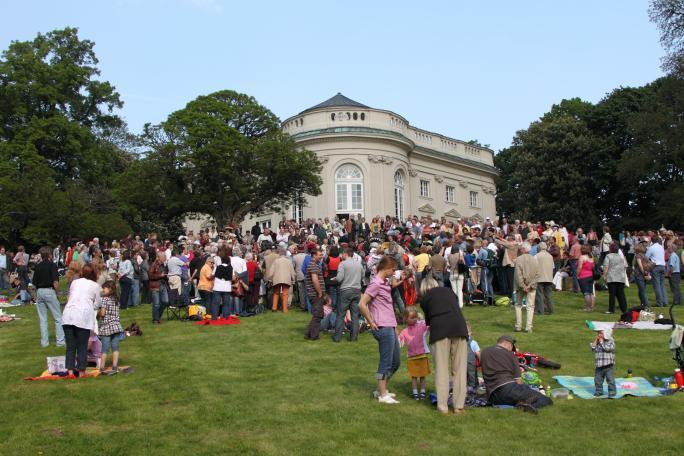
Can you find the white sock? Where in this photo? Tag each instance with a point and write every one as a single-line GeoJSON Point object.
{"type": "Point", "coordinates": [422, 390]}
{"type": "Point", "coordinates": [415, 391]}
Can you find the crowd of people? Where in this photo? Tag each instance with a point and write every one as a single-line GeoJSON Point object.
{"type": "Point", "coordinates": [354, 276]}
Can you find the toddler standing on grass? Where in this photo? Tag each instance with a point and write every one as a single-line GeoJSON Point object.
{"type": "Point", "coordinates": [111, 331]}
{"type": "Point", "coordinates": [414, 337]}
{"type": "Point", "coordinates": [604, 357]}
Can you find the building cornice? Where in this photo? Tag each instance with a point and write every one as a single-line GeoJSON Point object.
{"type": "Point", "coordinates": [329, 134]}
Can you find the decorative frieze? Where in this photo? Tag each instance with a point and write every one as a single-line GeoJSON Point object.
{"type": "Point", "coordinates": [380, 159]}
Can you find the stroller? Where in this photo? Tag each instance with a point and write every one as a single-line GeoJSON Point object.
{"type": "Point", "coordinates": [677, 341]}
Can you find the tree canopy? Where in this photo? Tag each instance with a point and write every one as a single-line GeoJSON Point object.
{"type": "Point", "coordinates": [223, 155]}
{"type": "Point", "coordinates": [619, 161]}
{"type": "Point", "coordinates": [57, 148]}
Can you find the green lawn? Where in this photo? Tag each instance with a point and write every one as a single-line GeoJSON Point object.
{"type": "Point", "coordinates": [259, 388]}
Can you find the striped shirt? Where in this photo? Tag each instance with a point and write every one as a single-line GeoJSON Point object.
{"type": "Point", "coordinates": [312, 269]}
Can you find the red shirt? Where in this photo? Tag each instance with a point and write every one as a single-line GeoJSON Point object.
{"type": "Point", "coordinates": [251, 267]}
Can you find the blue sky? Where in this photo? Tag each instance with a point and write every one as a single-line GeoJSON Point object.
{"type": "Point", "coordinates": [468, 70]}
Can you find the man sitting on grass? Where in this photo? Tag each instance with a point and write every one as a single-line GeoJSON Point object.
{"type": "Point", "coordinates": [501, 373]}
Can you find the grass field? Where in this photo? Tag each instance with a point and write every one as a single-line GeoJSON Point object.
{"type": "Point", "coordinates": [259, 388]}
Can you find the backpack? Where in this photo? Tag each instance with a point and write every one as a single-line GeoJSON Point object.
{"type": "Point", "coordinates": [224, 271]}
{"type": "Point", "coordinates": [490, 261]}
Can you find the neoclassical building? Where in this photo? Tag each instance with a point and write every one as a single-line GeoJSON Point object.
{"type": "Point", "coordinates": [376, 163]}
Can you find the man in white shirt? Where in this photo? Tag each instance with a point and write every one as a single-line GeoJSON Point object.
{"type": "Point", "coordinates": [265, 236]}
{"type": "Point", "coordinates": [656, 254]}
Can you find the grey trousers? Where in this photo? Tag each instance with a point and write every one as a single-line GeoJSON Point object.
{"type": "Point", "coordinates": [347, 299]}
{"type": "Point", "coordinates": [543, 301]}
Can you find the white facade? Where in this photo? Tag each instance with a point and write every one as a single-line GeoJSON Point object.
{"type": "Point", "coordinates": [376, 164]}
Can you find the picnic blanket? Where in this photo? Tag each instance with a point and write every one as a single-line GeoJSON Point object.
{"type": "Point", "coordinates": [583, 387]}
{"type": "Point", "coordinates": [598, 325]}
{"type": "Point", "coordinates": [90, 372]}
{"type": "Point", "coordinates": [220, 321]}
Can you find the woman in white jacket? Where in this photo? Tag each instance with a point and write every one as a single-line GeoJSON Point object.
{"type": "Point", "coordinates": [78, 319]}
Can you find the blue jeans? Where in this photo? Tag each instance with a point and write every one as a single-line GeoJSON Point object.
{"type": "Point", "coordinates": [604, 373]}
{"type": "Point", "coordinates": [641, 286]}
{"type": "Point", "coordinates": [236, 305]}
{"type": "Point", "coordinates": [220, 303]}
{"type": "Point", "coordinates": [135, 292]}
{"type": "Point", "coordinates": [46, 299]}
{"type": "Point", "coordinates": [158, 304]}
{"type": "Point", "coordinates": [513, 394]}
{"type": "Point", "coordinates": [658, 277]}
{"type": "Point", "coordinates": [486, 285]}
{"type": "Point", "coordinates": [3, 279]}
{"type": "Point", "coordinates": [111, 342]}
{"type": "Point", "coordinates": [332, 291]}
{"type": "Point", "coordinates": [329, 321]}
{"type": "Point", "coordinates": [388, 346]}
{"type": "Point", "coordinates": [573, 274]}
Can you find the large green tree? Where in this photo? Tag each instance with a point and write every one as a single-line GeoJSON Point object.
{"type": "Point", "coordinates": [619, 161]}
{"type": "Point", "coordinates": [60, 141]}
{"type": "Point", "coordinates": [223, 155]}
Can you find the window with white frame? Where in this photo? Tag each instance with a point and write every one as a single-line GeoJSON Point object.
{"type": "Point", "coordinates": [450, 194]}
{"type": "Point", "coordinates": [424, 188]}
{"type": "Point", "coordinates": [399, 195]}
{"type": "Point", "coordinates": [348, 189]}
{"type": "Point", "coordinates": [297, 209]}
{"type": "Point", "coordinates": [265, 224]}
{"type": "Point", "coordinates": [474, 199]}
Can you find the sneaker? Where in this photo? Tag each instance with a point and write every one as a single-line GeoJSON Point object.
{"type": "Point", "coordinates": [597, 394]}
{"type": "Point", "coordinates": [525, 407]}
{"type": "Point", "coordinates": [611, 395]}
{"type": "Point", "coordinates": [416, 396]}
{"type": "Point", "coordinates": [423, 394]}
{"type": "Point", "coordinates": [376, 394]}
{"type": "Point", "coordinates": [608, 312]}
{"type": "Point", "coordinates": [387, 399]}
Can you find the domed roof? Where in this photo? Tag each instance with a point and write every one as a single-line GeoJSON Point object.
{"type": "Point", "coordinates": [338, 101]}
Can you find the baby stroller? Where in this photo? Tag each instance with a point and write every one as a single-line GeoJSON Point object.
{"type": "Point", "coordinates": [677, 341]}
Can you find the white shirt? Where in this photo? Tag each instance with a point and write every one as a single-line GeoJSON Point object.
{"type": "Point", "coordinates": [239, 265]}
{"type": "Point", "coordinates": [3, 261]}
{"type": "Point", "coordinates": [84, 300]}
{"type": "Point", "coordinates": [220, 284]}
{"type": "Point", "coordinates": [656, 253]}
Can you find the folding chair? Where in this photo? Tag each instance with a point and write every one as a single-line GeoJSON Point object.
{"type": "Point", "coordinates": [176, 310]}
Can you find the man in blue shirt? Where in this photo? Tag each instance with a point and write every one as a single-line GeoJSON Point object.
{"type": "Point", "coordinates": [656, 254]}
{"type": "Point", "coordinates": [673, 272]}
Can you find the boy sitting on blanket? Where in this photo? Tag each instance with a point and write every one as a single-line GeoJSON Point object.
{"type": "Point", "coordinates": [604, 359]}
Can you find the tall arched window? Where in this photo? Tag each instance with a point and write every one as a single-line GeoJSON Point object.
{"type": "Point", "coordinates": [399, 195]}
{"type": "Point", "coordinates": [348, 189]}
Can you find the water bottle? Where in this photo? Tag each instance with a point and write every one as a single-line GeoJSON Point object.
{"type": "Point", "coordinates": [679, 378]}
{"type": "Point", "coordinates": [629, 373]}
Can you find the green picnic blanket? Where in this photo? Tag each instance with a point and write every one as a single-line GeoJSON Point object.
{"type": "Point", "coordinates": [583, 387]}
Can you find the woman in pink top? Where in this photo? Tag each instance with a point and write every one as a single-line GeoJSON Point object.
{"type": "Point", "coordinates": [585, 276]}
{"type": "Point", "coordinates": [376, 307]}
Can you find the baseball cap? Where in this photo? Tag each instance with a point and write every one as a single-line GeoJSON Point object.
{"type": "Point", "coordinates": [506, 338]}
